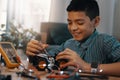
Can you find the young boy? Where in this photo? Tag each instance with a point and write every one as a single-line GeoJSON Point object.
{"type": "Point", "coordinates": [88, 50]}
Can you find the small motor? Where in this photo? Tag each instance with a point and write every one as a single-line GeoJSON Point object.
{"type": "Point", "coordinates": [43, 62]}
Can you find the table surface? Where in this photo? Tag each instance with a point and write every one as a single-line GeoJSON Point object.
{"type": "Point", "coordinates": [42, 75]}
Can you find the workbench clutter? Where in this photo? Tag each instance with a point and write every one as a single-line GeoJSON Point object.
{"type": "Point", "coordinates": [5, 77]}
{"type": "Point", "coordinates": [11, 65]}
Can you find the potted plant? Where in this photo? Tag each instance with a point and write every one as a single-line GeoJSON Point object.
{"type": "Point", "coordinates": [19, 36]}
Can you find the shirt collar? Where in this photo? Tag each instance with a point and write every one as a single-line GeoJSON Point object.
{"type": "Point", "coordinates": [86, 43]}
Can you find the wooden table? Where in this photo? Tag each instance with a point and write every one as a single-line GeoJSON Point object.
{"type": "Point", "coordinates": [42, 75]}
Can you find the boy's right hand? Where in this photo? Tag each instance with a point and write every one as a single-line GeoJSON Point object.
{"type": "Point", "coordinates": [34, 47]}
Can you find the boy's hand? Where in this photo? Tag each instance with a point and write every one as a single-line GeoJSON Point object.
{"type": "Point", "coordinates": [73, 59]}
{"type": "Point", "coordinates": [34, 47]}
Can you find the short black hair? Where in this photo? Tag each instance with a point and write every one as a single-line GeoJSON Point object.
{"type": "Point", "coordinates": [90, 7]}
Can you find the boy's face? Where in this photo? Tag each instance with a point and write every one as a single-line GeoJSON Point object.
{"type": "Point", "coordinates": [80, 25]}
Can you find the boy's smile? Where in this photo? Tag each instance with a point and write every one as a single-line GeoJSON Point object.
{"type": "Point", "coordinates": [80, 25]}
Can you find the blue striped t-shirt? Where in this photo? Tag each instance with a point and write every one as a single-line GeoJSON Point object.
{"type": "Point", "coordinates": [99, 48]}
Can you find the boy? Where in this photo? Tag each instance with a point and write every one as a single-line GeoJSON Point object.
{"type": "Point", "coordinates": [88, 50]}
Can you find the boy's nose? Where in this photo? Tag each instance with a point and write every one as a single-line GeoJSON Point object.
{"type": "Point", "coordinates": [74, 27]}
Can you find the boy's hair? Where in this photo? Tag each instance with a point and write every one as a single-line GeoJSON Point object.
{"type": "Point", "coordinates": [90, 7]}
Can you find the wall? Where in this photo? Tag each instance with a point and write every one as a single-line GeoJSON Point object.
{"type": "Point", "coordinates": [58, 11]}
{"type": "Point", "coordinates": [116, 29]}
{"type": "Point", "coordinates": [107, 16]}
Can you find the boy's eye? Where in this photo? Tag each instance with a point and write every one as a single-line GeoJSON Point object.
{"type": "Point", "coordinates": [80, 23]}
{"type": "Point", "coordinates": [69, 22]}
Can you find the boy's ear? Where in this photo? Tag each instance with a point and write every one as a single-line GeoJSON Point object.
{"type": "Point", "coordinates": [97, 21]}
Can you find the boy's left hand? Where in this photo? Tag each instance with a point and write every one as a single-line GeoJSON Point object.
{"type": "Point", "coordinates": [73, 59]}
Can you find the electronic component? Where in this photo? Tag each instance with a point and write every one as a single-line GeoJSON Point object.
{"type": "Point", "coordinates": [9, 54]}
{"type": "Point", "coordinates": [59, 74]}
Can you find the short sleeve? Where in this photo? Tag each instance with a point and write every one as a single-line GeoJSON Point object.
{"type": "Point", "coordinates": [112, 48]}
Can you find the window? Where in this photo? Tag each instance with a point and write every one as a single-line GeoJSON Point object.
{"type": "Point", "coordinates": [29, 13]}
{"type": "Point", "coordinates": [3, 16]}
